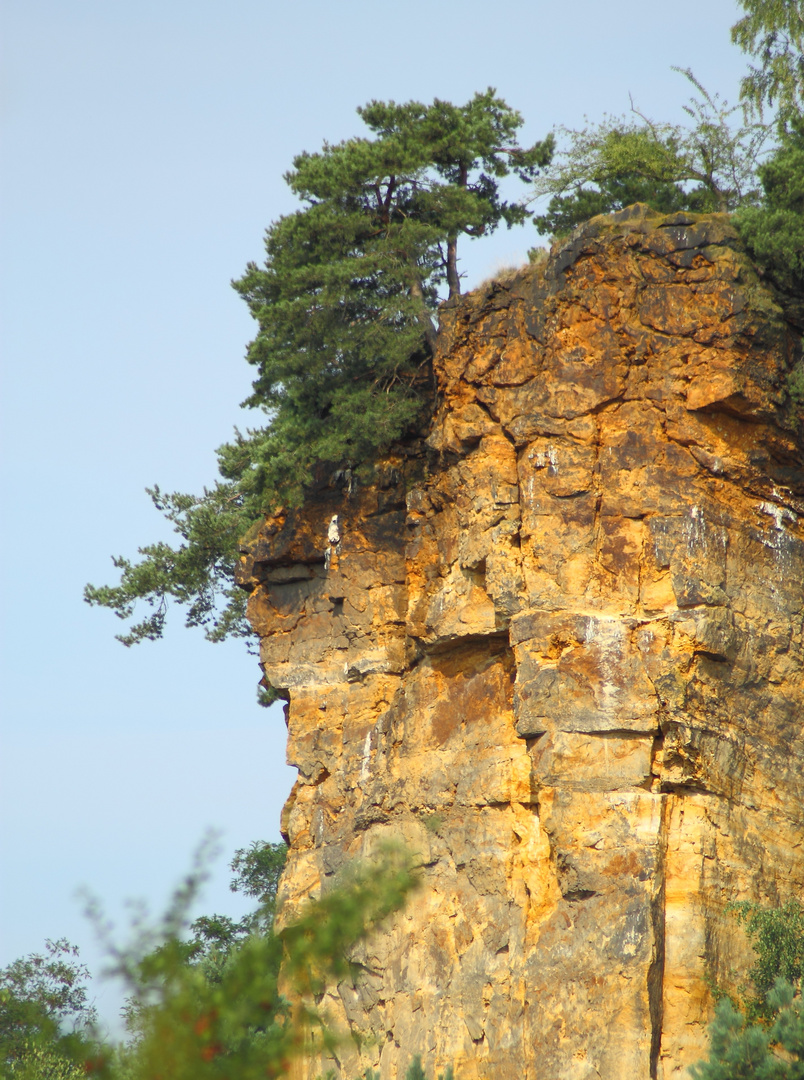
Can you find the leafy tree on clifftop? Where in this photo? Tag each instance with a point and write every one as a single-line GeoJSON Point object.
{"type": "Point", "coordinates": [706, 165]}
{"type": "Point", "coordinates": [772, 32]}
{"type": "Point", "coordinates": [716, 162]}
{"type": "Point", "coordinates": [345, 304]}
{"type": "Point", "coordinates": [774, 231]}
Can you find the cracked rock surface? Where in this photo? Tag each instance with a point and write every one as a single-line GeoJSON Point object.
{"type": "Point", "coordinates": [558, 649]}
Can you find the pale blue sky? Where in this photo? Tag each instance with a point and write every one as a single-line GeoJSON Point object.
{"type": "Point", "coordinates": [143, 152]}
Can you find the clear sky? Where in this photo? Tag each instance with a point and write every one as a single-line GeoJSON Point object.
{"type": "Point", "coordinates": [143, 147]}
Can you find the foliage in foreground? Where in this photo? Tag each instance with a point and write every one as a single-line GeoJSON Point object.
{"type": "Point", "coordinates": [213, 1005]}
{"type": "Point", "coordinates": [777, 937]}
{"type": "Point", "coordinates": [344, 305]}
{"type": "Point", "coordinates": [414, 1072]}
{"type": "Point", "coordinates": [740, 1050]}
{"type": "Point", "coordinates": [241, 1023]}
{"type": "Point", "coordinates": [213, 939]}
{"type": "Point", "coordinates": [762, 1036]}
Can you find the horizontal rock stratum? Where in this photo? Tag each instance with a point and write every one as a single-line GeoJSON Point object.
{"type": "Point", "coordinates": [558, 650]}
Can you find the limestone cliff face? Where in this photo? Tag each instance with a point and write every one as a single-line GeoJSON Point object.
{"type": "Point", "coordinates": [559, 650]}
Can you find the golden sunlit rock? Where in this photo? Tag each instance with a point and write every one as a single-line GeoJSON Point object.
{"type": "Point", "coordinates": [558, 650]}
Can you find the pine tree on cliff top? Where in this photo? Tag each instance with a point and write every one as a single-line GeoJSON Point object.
{"type": "Point", "coordinates": [346, 298]}
{"type": "Point", "coordinates": [344, 304]}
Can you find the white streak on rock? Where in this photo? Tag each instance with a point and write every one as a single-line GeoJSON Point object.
{"type": "Point", "coordinates": [366, 759]}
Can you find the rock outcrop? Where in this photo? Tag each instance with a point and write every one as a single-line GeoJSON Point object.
{"type": "Point", "coordinates": [559, 650]}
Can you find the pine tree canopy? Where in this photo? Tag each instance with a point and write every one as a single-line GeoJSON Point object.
{"type": "Point", "coordinates": [345, 305]}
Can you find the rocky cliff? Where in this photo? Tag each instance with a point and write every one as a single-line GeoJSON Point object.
{"type": "Point", "coordinates": [559, 650]}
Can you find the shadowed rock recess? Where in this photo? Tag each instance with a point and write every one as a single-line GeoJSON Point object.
{"type": "Point", "coordinates": [558, 650]}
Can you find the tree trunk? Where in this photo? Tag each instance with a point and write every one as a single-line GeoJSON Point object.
{"type": "Point", "coordinates": [424, 319]}
{"type": "Point", "coordinates": [453, 280]}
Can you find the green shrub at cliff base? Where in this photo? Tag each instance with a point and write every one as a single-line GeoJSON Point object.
{"type": "Point", "coordinates": [777, 937]}
{"type": "Point", "coordinates": [763, 1039]}
{"type": "Point", "coordinates": [708, 165]}
{"type": "Point", "coordinates": [214, 938]}
{"type": "Point", "coordinates": [416, 1072]}
{"type": "Point", "coordinates": [207, 1006]}
{"type": "Point", "coordinates": [743, 1051]}
{"type": "Point", "coordinates": [344, 304]}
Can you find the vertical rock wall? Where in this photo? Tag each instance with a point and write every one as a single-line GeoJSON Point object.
{"type": "Point", "coordinates": [560, 652]}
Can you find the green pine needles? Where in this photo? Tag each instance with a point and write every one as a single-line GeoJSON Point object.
{"type": "Point", "coordinates": [345, 305]}
{"type": "Point", "coordinates": [763, 1038]}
